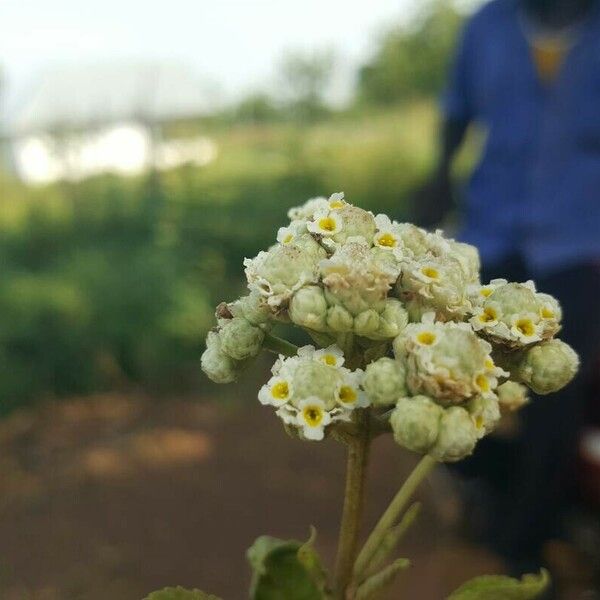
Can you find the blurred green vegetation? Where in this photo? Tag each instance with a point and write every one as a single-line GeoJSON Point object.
{"type": "Point", "coordinates": [111, 281]}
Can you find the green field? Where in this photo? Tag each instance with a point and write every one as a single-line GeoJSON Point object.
{"type": "Point", "coordinates": [112, 281]}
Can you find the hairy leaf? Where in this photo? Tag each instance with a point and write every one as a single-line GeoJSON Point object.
{"type": "Point", "coordinates": [499, 587]}
{"type": "Point", "coordinates": [286, 569]}
{"type": "Point", "coordinates": [179, 593]}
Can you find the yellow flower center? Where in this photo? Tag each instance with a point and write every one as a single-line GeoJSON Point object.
{"type": "Point", "coordinates": [479, 421]}
{"type": "Point", "coordinates": [489, 363]}
{"type": "Point", "coordinates": [281, 390]}
{"type": "Point", "coordinates": [336, 204]}
{"type": "Point", "coordinates": [347, 394]}
{"type": "Point", "coordinates": [327, 224]}
{"type": "Point", "coordinates": [387, 240]}
{"type": "Point", "coordinates": [426, 338]}
{"type": "Point", "coordinates": [330, 359]}
{"type": "Point", "coordinates": [430, 272]}
{"type": "Point", "coordinates": [547, 313]}
{"type": "Point", "coordinates": [486, 291]}
{"type": "Point", "coordinates": [526, 327]}
{"type": "Point", "coordinates": [288, 238]}
{"type": "Point", "coordinates": [482, 382]}
{"type": "Point", "coordinates": [488, 315]}
{"type": "Point", "coordinates": [313, 415]}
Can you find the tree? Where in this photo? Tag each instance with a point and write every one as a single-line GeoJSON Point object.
{"type": "Point", "coordinates": [411, 61]}
{"type": "Point", "coordinates": [304, 79]}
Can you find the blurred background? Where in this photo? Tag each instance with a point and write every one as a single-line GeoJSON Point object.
{"type": "Point", "coordinates": [145, 150]}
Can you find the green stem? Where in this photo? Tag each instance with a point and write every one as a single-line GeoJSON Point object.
{"type": "Point", "coordinates": [358, 453]}
{"type": "Point", "coordinates": [278, 345]}
{"type": "Point", "coordinates": [391, 514]}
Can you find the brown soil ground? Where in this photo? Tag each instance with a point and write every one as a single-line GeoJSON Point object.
{"type": "Point", "coordinates": [113, 496]}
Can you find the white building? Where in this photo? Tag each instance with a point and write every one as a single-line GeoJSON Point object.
{"type": "Point", "coordinates": [78, 122]}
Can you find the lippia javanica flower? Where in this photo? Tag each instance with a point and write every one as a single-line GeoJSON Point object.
{"type": "Point", "coordinates": [402, 328]}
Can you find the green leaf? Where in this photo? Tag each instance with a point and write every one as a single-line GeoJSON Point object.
{"type": "Point", "coordinates": [179, 593]}
{"type": "Point", "coordinates": [286, 569]}
{"type": "Point", "coordinates": [499, 587]}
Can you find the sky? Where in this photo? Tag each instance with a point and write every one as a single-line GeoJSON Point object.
{"type": "Point", "coordinates": [234, 43]}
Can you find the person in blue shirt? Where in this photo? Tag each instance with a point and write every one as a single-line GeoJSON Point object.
{"type": "Point", "coordinates": [528, 71]}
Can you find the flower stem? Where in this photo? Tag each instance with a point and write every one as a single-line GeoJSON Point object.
{"type": "Point", "coordinates": [358, 454]}
{"type": "Point", "coordinates": [391, 514]}
{"type": "Point", "coordinates": [278, 345]}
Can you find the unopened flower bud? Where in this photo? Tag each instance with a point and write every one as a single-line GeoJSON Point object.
{"type": "Point", "coordinates": [339, 319]}
{"type": "Point", "coordinates": [457, 435]}
{"type": "Point", "coordinates": [219, 367]}
{"type": "Point", "coordinates": [252, 307]}
{"type": "Point", "coordinates": [308, 308]}
{"type": "Point", "coordinates": [357, 222]}
{"type": "Point", "coordinates": [366, 323]}
{"type": "Point", "coordinates": [393, 319]}
{"type": "Point", "coordinates": [416, 423]}
{"type": "Point", "coordinates": [385, 381]}
{"type": "Point", "coordinates": [512, 396]}
{"type": "Point", "coordinates": [239, 339]}
{"type": "Point", "coordinates": [548, 366]}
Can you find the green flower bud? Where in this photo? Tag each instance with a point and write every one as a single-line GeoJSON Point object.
{"type": "Point", "coordinates": [439, 284]}
{"type": "Point", "coordinates": [457, 436]}
{"type": "Point", "coordinates": [339, 319]}
{"type": "Point", "coordinates": [308, 308]}
{"type": "Point", "coordinates": [252, 307]}
{"type": "Point", "coordinates": [239, 339]}
{"type": "Point", "coordinates": [510, 315]}
{"type": "Point", "coordinates": [276, 274]}
{"type": "Point", "coordinates": [416, 423]}
{"type": "Point", "coordinates": [356, 222]}
{"type": "Point", "coordinates": [219, 367]}
{"type": "Point", "coordinates": [446, 361]}
{"type": "Point", "coordinates": [549, 366]}
{"type": "Point", "coordinates": [393, 319]}
{"type": "Point", "coordinates": [366, 323]}
{"type": "Point", "coordinates": [315, 379]}
{"type": "Point", "coordinates": [307, 244]}
{"type": "Point", "coordinates": [468, 258]}
{"type": "Point", "coordinates": [414, 239]}
{"type": "Point", "coordinates": [385, 381]}
{"type": "Point", "coordinates": [355, 279]}
{"type": "Point", "coordinates": [512, 396]}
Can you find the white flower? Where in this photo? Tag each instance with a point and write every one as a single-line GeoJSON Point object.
{"type": "Point", "coordinates": [336, 201]}
{"type": "Point", "coordinates": [276, 392]}
{"type": "Point", "coordinates": [426, 333]}
{"type": "Point", "coordinates": [493, 369]}
{"type": "Point", "coordinates": [286, 235]}
{"type": "Point", "coordinates": [428, 272]}
{"type": "Point", "coordinates": [526, 328]}
{"type": "Point", "coordinates": [312, 418]}
{"type": "Point", "coordinates": [331, 356]}
{"type": "Point", "coordinates": [484, 382]}
{"type": "Point", "coordinates": [326, 223]}
{"type": "Point", "coordinates": [484, 291]}
{"type": "Point", "coordinates": [388, 233]}
{"type": "Point", "coordinates": [349, 394]}
{"type": "Point", "coordinates": [486, 316]}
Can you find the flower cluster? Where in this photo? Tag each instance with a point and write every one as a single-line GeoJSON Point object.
{"type": "Point", "coordinates": [404, 326]}
{"type": "Point", "coordinates": [238, 337]}
{"type": "Point", "coordinates": [313, 389]}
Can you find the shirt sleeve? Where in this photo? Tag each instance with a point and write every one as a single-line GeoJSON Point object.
{"type": "Point", "coordinates": [458, 99]}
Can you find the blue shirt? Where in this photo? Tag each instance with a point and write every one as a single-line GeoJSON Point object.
{"type": "Point", "coordinates": [536, 190]}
